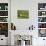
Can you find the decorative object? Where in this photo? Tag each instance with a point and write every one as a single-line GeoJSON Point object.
{"type": "Point", "coordinates": [13, 27]}
{"type": "Point", "coordinates": [41, 6]}
{"type": "Point", "coordinates": [26, 38]}
{"type": "Point", "coordinates": [42, 32]}
{"type": "Point", "coordinates": [22, 43]}
{"type": "Point", "coordinates": [3, 19]}
{"type": "Point", "coordinates": [4, 29]}
{"type": "Point", "coordinates": [23, 40]}
{"type": "Point", "coordinates": [31, 27]}
{"type": "Point", "coordinates": [6, 7]}
{"type": "Point", "coordinates": [3, 6]}
{"type": "Point", "coordinates": [18, 42]}
{"type": "Point", "coordinates": [23, 14]}
{"type": "Point", "coordinates": [41, 19]}
{"type": "Point", "coordinates": [4, 26]}
{"type": "Point", "coordinates": [43, 13]}
{"type": "Point", "coordinates": [42, 25]}
{"type": "Point", "coordinates": [3, 13]}
{"type": "Point", "coordinates": [0, 7]}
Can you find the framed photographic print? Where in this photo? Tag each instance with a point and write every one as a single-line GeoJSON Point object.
{"type": "Point", "coordinates": [23, 14]}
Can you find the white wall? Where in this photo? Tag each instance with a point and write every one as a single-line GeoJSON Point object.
{"type": "Point", "coordinates": [32, 6]}
{"type": "Point", "coordinates": [23, 24]}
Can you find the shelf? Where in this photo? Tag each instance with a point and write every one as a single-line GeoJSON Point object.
{"type": "Point", "coordinates": [42, 19]}
{"type": "Point", "coordinates": [3, 10]}
{"type": "Point", "coordinates": [3, 22]}
{"type": "Point", "coordinates": [42, 16]}
{"type": "Point", "coordinates": [41, 28]}
{"type": "Point", "coordinates": [41, 10]}
{"type": "Point", "coordinates": [42, 37]}
{"type": "Point", "coordinates": [4, 19]}
{"type": "Point", "coordinates": [3, 16]}
{"type": "Point", "coordinates": [41, 22]}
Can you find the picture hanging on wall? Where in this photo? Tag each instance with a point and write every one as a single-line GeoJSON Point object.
{"type": "Point", "coordinates": [23, 14]}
